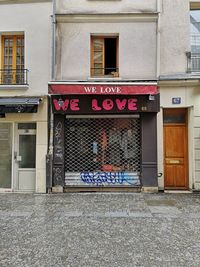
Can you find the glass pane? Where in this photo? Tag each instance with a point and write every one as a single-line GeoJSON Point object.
{"type": "Point", "coordinates": [194, 21]}
{"type": "Point", "coordinates": [18, 51]}
{"type": "Point", "coordinates": [27, 151]}
{"type": "Point", "coordinates": [195, 35]}
{"type": "Point", "coordinates": [29, 126]}
{"type": "Point", "coordinates": [98, 44]}
{"type": "Point", "coordinates": [5, 61]}
{"type": "Point", "coordinates": [6, 51]}
{"type": "Point", "coordinates": [10, 60]}
{"type": "Point", "coordinates": [174, 116]}
{"type": "Point", "coordinates": [18, 60]}
{"type": "Point", "coordinates": [6, 42]}
{"type": "Point", "coordinates": [5, 155]}
{"type": "Point", "coordinates": [19, 41]}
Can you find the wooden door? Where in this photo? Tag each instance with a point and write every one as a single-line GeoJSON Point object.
{"type": "Point", "coordinates": [175, 150]}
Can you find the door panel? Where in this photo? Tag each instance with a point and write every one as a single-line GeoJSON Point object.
{"type": "Point", "coordinates": [26, 157]}
{"type": "Point", "coordinates": [175, 141]}
{"type": "Point", "coordinates": [26, 179]}
{"type": "Point", "coordinates": [175, 146]}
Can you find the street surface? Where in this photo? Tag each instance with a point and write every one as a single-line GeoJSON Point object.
{"type": "Point", "coordinates": [99, 229]}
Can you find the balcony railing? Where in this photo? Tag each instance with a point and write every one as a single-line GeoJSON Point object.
{"type": "Point", "coordinates": [193, 62]}
{"type": "Point", "coordinates": [13, 76]}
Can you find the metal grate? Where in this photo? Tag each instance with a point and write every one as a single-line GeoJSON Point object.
{"type": "Point", "coordinates": [14, 76]}
{"type": "Point", "coordinates": [102, 151]}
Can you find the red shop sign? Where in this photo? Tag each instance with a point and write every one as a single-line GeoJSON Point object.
{"type": "Point", "coordinates": [96, 89]}
{"type": "Point", "coordinates": [101, 104]}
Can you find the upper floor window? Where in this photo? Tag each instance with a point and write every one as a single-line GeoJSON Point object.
{"type": "Point", "coordinates": [195, 40]}
{"type": "Point", "coordinates": [12, 60]}
{"type": "Point", "coordinates": [104, 56]}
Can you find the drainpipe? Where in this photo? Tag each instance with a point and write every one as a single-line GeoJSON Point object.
{"type": "Point", "coordinates": [53, 62]}
{"type": "Point", "coordinates": [159, 4]}
{"type": "Point", "coordinates": [53, 52]}
{"type": "Point", "coordinates": [49, 158]}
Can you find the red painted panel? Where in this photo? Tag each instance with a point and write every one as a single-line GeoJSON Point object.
{"type": "Point", "coordinates": [96, 89]}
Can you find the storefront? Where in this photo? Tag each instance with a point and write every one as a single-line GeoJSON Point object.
{"type": "Point", "coordinates": [21, 120]}
{"type": "Point", "coordinates": [104, 136]}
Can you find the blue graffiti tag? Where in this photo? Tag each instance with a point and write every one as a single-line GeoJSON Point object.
{"type": "Point", "coordinates": [111, 178]}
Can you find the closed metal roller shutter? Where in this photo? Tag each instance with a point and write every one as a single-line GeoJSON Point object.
{"type": "Point", "coordinates": [102, 152]}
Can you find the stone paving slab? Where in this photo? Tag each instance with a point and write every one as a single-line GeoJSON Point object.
{"type": "Point", "coordinates": [99, 229]}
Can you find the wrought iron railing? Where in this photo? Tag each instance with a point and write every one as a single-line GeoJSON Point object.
{"type": "Point", "coordinates": [13, 76]}
{"type": "Point", "coordinates": [110, 72]}
{"type": "Point", "coordinates": [193, 57]}
{"type": "Point", "coordinates": [195, 62]}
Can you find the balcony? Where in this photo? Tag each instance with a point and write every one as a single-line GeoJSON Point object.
{"type": "Point", "coordinates": [193, 57]}
{"type": "Point", "coordinates": [13, 77]}
{"type": "Point", "coordinates": [193, 62]}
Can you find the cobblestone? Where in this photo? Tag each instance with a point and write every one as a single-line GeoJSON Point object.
{"type": "Point", "coordinates": [99, 229]}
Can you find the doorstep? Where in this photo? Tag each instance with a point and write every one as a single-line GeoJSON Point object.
{"type": "Point", "coordinates": [177, 191]}
{"type": "Point", "coordinates": [124, 189]}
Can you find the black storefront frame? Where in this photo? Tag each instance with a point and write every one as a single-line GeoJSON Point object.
{"type": "Point", "coordinates": [148, 143]}
{"type": "Point", "coordinates": [148, 150]}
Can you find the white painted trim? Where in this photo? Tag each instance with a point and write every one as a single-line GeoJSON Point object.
{"type": "Point", "coordinates": [8, 2]}
{"type": "Point", "coordinates": [106, 18]}
{"type": "Point", "coordinates": [191, 147]}
{"type": "Point", "coordinates": [102, 82]}
{"type": "Point", "coordinates": [14, 87]}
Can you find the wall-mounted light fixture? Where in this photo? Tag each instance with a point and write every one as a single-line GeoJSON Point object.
{"type": "Point", "coordinates": [60, 102]}
{"type": "Point", "coordinates": [151, 97]}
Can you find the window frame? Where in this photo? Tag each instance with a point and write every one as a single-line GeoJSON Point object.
{"type": "Point", "coordinates": [14, 69]}
{"type": "Point", "coordinates": [103, 37]}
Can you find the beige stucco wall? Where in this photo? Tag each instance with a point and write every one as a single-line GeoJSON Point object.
{"type": "Point", "coordinates": [137, 49]}
{"type": "Point", "coordinates": [32, 19]}
{"type": "Point", "coordinates": [174, 36]}
{"type": "Point", "coordinates": [110, 6]}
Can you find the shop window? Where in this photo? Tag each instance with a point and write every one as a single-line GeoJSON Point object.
{"type": "Point", "coordinates": [12, 60]}
{"type": "Point", "coordinates": [102, 151]}
{"type": "Point", "coordinates": [104, 56]}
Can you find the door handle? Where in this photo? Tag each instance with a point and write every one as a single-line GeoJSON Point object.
{"type": "Point", "coordinates": [17, 157]}
{"type": "Point", "coordinates": [173, 161]}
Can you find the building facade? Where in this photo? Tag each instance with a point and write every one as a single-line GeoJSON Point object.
{"type": "Point", "coordinates": [25, 45]}
{"type": "Point", "coordinates": [104, 95]}
{"type": "Point", "coordinates": [99, 95]}
{"type": "Point", "coordinates": [178, 120]}
{"type": "Point", "coordinates": [125, 95]}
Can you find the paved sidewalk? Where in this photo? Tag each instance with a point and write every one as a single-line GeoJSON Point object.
{"type": "Point", "coordinates": [99, 229]}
